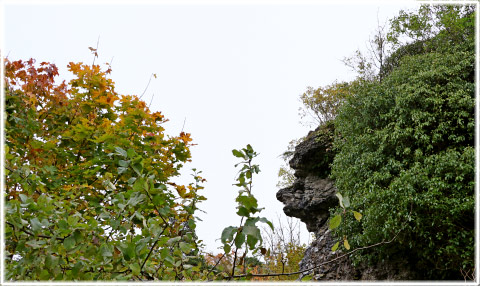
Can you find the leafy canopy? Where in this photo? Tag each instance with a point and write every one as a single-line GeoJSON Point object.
{"type": "Point", "coordinates": [89, 190]}
{"type": "Point", "coordinates": [406, 154]}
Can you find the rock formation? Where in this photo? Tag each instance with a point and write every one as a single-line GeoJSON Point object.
{"type": "Point", "coordinates": [310, 198]}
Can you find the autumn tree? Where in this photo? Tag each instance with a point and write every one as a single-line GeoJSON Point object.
{"type": "Point", "coordinates": [89, 190]}
{"type": "Point", "coordinates": [285, 250]}
{"type": "Point", "coordinates": [321, 104]}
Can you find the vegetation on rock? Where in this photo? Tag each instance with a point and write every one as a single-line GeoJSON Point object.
{"type": "Point", "coordinates": [405, 144]}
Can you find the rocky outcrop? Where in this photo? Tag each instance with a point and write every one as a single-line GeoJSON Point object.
{"type": "Point", "coordinates": [310, 198]}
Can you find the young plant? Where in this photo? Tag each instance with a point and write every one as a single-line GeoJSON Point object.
{"type": "Point", "coordinates": [246, 235]}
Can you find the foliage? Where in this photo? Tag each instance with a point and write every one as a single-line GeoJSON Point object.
{"type": "Point", "coordinates": [286, 175]}
{"type": "Point", "coordinates": [370, 65]}
{"type": "Point", "coordinates": [322, 104]}
{"type": "Point", "coordinates": [438, 27]}
{"type": "Point", "coordinates": [247, 234]}
{"type": "Point", "coordinates": [406, 151]}
{"type": "Point", "coordinates": [89, 190]}
{"type": "Point", "coordinates": [284, 251]}
{"type": "Point", "coordinates": [337, 219]}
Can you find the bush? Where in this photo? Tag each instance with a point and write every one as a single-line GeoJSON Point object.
{"type": "Point", "coordinates": [406, 160]}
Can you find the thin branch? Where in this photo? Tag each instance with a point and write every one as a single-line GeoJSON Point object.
{"type": "Point", "coordinates": [183, 124]}
{"type": "Point", "coordinates": [32, 234]}
{"type": "Point", "coordinates": [153, 95]}
{"type": "Point", "coordinates": [21, 176]}
{"type": "Point", "coordinates": [151, 249]}
{"type": "Point", "coordinates": [216, 263]}
{"type": "Point", "coordinates": [234, 261]}
{"type": "Point", "coordinates": [146, 86]}
{"type": "Point", "coordinates": [318, 265]}
{"type": "Point", "coordinates": [96, 49]}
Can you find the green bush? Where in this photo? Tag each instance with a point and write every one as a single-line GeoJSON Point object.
{"type": "Point", "coordinates": [406, 160]}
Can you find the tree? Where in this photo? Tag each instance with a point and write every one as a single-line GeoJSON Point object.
{"type": "Point", "coordinates": [322, 104]}
{"type": "Point", "coordinates": [89, 190]}
{"type": "Point", "coordinates": [406, 150]}
{"type": "Point", "coordinates": [370, 65]}
{"type": "Point", "coordinates": [284, 250]}
{"type": "Point", "coordinates": [286, 175]}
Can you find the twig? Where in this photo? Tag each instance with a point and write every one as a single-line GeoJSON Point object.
{"type": "Point", "coordinates": [234, 261]}
{"type": "Point", "coordinates": [32, 234]}
{"type": "Point", "coordinates": [96, 49]}
{"type": "Point", "coordinates": [153, 95]}
{"type": "Point", "coordinates": [183, 124]}
{"type": "Point", "coordinates": [151, 249]}
{"type": "Point", "coordinates": [215, 265]}
{"type": "Point", "coordinates": [146, 86]}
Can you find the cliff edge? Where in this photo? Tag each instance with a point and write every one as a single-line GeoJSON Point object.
{"type": "Point", "coordinates": [310, 197]}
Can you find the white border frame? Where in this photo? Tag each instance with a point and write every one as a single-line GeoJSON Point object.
{"type": "Point", "coordinates": [242, 3]}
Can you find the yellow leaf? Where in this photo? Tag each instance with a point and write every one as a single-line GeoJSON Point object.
{"type": "Point", "coordinates": [358, 216]}
{"type": "Point", "coordinates": [345, 243]}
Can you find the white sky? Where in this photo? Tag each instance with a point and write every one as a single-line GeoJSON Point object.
{"type": "Point", "coordinates": [234, 73]}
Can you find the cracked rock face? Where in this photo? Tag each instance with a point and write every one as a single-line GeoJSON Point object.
{"type": "Point", "coordinates": [304, 201]}
{"type": "Point", "coordinates": [310, 198]}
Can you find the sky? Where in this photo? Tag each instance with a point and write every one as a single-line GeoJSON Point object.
{"type": "Point", "coordinates": [230, 74]}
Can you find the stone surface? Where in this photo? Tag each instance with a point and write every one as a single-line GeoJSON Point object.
{"type": "Point", "coordinates": [310, 198]}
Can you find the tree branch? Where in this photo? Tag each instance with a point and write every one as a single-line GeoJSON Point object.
{"type": "Point", "coordinates": [32, 234]}
{"type": "Point", "coordinates": [318, 265]}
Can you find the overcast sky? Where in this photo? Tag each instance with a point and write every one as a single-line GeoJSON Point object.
{"type": "Point", "coordinates": [230, 75]}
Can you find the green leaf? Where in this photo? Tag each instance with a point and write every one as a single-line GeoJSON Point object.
{"type": "Point", "coordinates": [51, 261]}
{"type": "Point", "coordinates": [335, 221]}
{"type": "Point", "coordinates": [62, 224]}
{"type": "Point", "coordinates": [69, 242]}
{"type": "Point", "coordinates": [131, 153]}
{"type": "Point", "coordinates": [345, 243]}
{"type": "Point", "coordinates": [307, 278]}
{"type": "Point", "coordinates": [121, 152]}
{"type": "Point", "coordinates": [239, 240]}
{"type": "Point", "coordinates": [105, 251]}
{"type": "Point", "coordinates": [335, 246]}
{"type": "Point", "coordinates": [131, 180]}
{"type": "Point", "coordinates": [237, 153]}
{"type": "Point", "coordinates": [35, 243]}
{"type": "Point", "coordinates": [141, 245]}
{"type": "Point", "coordinates": [44, 275]}
{"type": "Point", "coordinates": [227, 248]}
{"type": "Point", "coordinates": [138, 185]}
{"type": "Point", "coordinates": [191, 224]}
{"type": "Point", "coordinates": [135, 267]}
{"type": "Point", "coordinates": [185, 247]}
{"type": "Point", "coordinates": [129, 251]}
{"type": "Point", "coordinates": [36, 225]}
{"type": "Point", "coordinates": [174, 240]}
{"type": "Point", "coordinates": [162, 240]}
{"type": "Point", "coordinates": [249, 202]}
{"type": "Point", "coordinates": [227, 233]}
{"type": "Point", "coordinates": [242, 211]}
{"type": "Point", "coordinates": [136, 198]}
{"type": "Point", "coordinates": [252, 241]}
{"type": "Point", "coordinates": [346, 202]}
{"type": "Point", "coordinates": [23, 198]}
{"type": "Point", "coordinates": [252, 230]}
{"type": "Point", "coordinates": [358, 216]}
{"type": "Point", "coordinates": [264, 220]}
